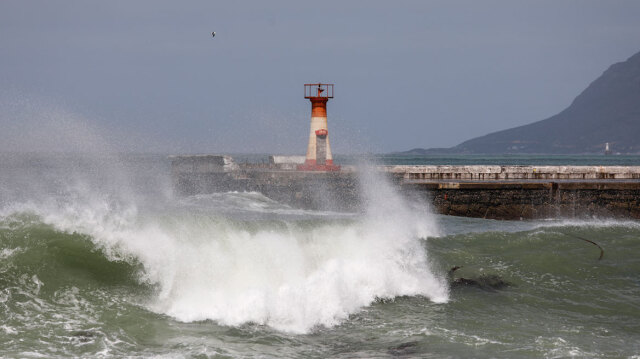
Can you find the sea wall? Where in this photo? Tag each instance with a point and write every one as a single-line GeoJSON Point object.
{"type": "Point", "coordinates": [497, 192]}
{"type": "Point", "coordinates": [528, 200]}
{"type": "Point", "coordinates": [337, 190]}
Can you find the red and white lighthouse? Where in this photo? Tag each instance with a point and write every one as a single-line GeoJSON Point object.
{"type": "Point", "coordinates": [319, 156]}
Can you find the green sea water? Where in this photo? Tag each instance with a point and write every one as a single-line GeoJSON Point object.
{"type": "Point", "coordinates": [111, 264]}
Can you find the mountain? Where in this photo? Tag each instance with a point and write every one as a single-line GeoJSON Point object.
{"type": "Point", "coordinates": [608, 110]}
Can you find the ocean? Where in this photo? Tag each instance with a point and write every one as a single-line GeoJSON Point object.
{"type": "Point", "coordinates": [99, 258]}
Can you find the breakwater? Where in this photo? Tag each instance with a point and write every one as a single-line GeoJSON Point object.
{"type": "Point", "coordinates": [525, 192]}
{"type": "Point", "coordinates": [497, 192]}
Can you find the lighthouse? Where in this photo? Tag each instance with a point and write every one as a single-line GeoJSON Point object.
{"type": "Point", "coordinates": [319, 156]}
{"type": "Point", "coordinates": [607, 150]}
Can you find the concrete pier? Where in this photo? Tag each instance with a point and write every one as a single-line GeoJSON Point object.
{"type": "Point", "coordinates": [497, 192]}
{"type": "Point", "coordinates": [489, 173]}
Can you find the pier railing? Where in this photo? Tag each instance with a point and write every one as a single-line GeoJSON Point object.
{"type": "Point", "coordinates": [485, 173]}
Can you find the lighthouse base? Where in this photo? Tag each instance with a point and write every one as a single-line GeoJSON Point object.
{"type": "Point", "coordinates": [311, 165]}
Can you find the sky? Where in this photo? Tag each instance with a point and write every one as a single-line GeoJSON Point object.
{"type": "Point", "coordinates": [147, 76]}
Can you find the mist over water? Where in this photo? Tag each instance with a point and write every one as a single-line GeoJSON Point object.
{"type": "Point", "coordinates": [273, 270]}
{"type": "Point", "coordinates": [99, 258]}
{"type": "Point", "coordinates": [230, 259]}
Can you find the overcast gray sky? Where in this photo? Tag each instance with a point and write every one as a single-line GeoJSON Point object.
{"type": "Point", "coordinates": [148, 76]}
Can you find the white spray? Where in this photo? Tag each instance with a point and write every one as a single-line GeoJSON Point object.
{"type": "Point", "coordinates": [293, 276]}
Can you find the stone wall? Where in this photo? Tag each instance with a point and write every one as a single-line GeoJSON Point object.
{"type": "Point", "coordinates": [497, 192]}
{"type": "Point", "coordinates": [533, 200]}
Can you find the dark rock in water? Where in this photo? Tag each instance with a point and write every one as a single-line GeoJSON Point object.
{"type": "Point", "coordinates": [488, 282]}
{"type": "Point", "coordinates": [403, 349]}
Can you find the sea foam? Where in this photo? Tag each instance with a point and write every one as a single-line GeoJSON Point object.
{"type": "Point", "coordinates": [284, 273]}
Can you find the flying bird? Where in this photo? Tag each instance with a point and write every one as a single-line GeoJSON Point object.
{"type": "Point", "coordinates": [213, 34]}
